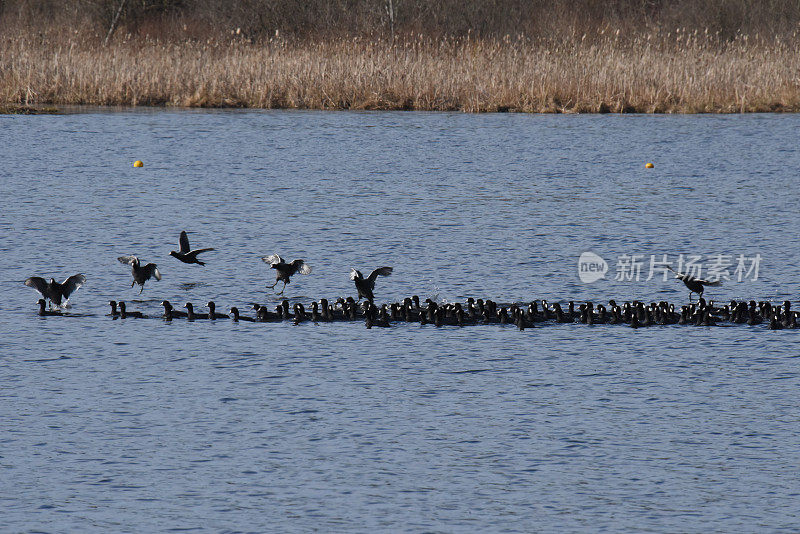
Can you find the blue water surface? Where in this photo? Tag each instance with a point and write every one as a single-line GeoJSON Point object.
{"type": "Point", "coordinates": [147, 426]}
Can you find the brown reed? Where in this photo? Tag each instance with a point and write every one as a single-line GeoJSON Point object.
{"type": "Point", "coordinates": [660, 71]}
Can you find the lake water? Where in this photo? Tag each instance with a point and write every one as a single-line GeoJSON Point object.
{"type": "Point", "coordinates": [146, 426]}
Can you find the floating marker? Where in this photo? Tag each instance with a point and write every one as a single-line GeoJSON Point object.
{"type": "Point", "coordinates": [138, 163]}
{"type": "Point", "coordinates": [646, 165]}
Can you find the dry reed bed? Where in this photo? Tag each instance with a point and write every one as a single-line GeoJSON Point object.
{"type": "Point", "coordinates": [683, 73]}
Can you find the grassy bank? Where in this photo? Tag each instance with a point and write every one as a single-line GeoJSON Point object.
{"type": "Point", "coordinates": [667, 72]}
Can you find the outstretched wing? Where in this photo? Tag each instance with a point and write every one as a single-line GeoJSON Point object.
{"type": "Point", "coordinates": [152, 270]}
{"type": "Point", "coordinates": [355, 274]}
{"type": "Point", "coordinates": [39, 284]}
{"type": "Point", "coordinates": [380, 271]}
{"type": "Point", "coordinates": [272, 260]}
{"type": "Point", "coordinates": [194, 253]}
{"type": "Point", "coordinates": [304, 268]}
{"type": "Point", "coordinates": [678, 275]}
{"type": "Point", "coordinates": [682, 276]}
{"type": "Point", "coordinates": [71, 284]}
{"type": "Point", "coordinates": [128, 260]}
{"type": "Point", "coordinates": [184, 242]}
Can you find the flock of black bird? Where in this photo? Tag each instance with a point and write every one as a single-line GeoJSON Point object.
{"type": "Point", "coordinates": [473, 312]}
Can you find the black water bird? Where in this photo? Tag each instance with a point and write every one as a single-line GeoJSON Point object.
{"type": "Point", "coordinates": [284, 271]}
{"type": "Point", "coordinates": [124, 313]}
{"type": "Point", "coordinates": [708, 319]}
{"type": "Point", "coordinates": [140, 274]}
{"type": "Point", "coordinates": [587, 313]}
{"type": "Point", "coordinates": [373, 318]}
{"type": "Point", "coordinates": [491, 306]}
{"type": "Point", "coordinates": [601, 314]}
{"type": "Point", "coordinates": [423, 318]}
{"type": "Point", "coordinates": [461, 317]}
{"type": "Point", "coordinates": [743, 314]}
{"type": "Point", "coordinates": [348, 308]}
{"type": "Point", "coordinates": [47, 313]}
{"type": "Point", "coordinates": [409, 315]}
{"type": "Point", "coordinates": [114, 313]}
{"type": "Point", "coordinates": [789, 320]}
{"type": "Point", "coordinates": [559, 313]}
{"type": "Point", "coordinates": [439, 317]}
{"type": "Point", "coordinates": [752, 317]}
{"type": "Point", "coordinates": [365, 286]}
{"type": "Point", "coordinates": [520, 320]}
{"type": "Point", "coordinates": [191, 315]}
{"type": "Point", "coordinates": [299, 313]}
{"type": "Point", "coordinates": [432, 309]}
{"type": "Point", "coordinates": [284, 309]}
{"type": "Point", "coordinates": [532, 313]}
{"type": "Point", "coordinates": [263, 315]}
{"type": "Point", "coordinates": [170, 312]}
{"type": "Point", "coordinates": [212, 312]}
{"type": "Point", "coordinates": [237, 317]}
{"type": "Point", "coordinates": [53, 291]}
{"type": "Point", "coordinates": [472, 309]}
{"type": "Point", "coordinates": [327, 312]}
{"type": "Point", "coordinates": [186, 254]}
{"type": "Point", "coordinates": [503, 316]}
{"type": "Point", "coordinates": [546, 313]}
{"type": "Point", "coordinates": [695, 285]}
{"type": "Point", "coordinates": [616, 315]}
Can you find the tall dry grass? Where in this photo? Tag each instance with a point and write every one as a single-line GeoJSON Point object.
{"type": "Point", "coordinates": [675, 71]}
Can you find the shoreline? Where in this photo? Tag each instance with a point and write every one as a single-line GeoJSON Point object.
{"type": "Point", "coordinates": [694, 75]}
{"type": "Point", "coordinates": [77, 109]}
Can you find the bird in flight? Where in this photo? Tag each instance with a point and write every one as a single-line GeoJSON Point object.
{"type": "Point", "coordinates": [186, 254]}
{"type": "Point", "coordinates": [365, 286]}
{"type": "Point", "coordinates": [140, 274]}
{"type": "Point", "coordinates": [53, 291]}
{"type": "Point", "coordinates": [284, 271]}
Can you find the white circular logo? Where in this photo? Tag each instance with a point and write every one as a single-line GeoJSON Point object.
{"type": "Point", "coordinates": [591, 267]}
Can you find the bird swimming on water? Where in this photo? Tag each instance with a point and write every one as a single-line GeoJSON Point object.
{"type": "Point", "coordinates": [237, 317]}
{"type": "Point", "coordinates": [695, 285]}
{"type": "Point", "coordinates": [185, 254]}
{"type": "Point", "coordinates": [365, 286]}
{"type": "Point", "coordinates": [284, 271]}
{"type": "Point", "coordinates": [212, 312]}
{"type": "Point", "coordinates": [140, 274]}
{"type": "Point", "coordinates": [170, 312]}
{"type": "Point", "coordinates": [191, 315]}
{"type": "Point", "coordinates": [53, 291]}
{"type": "Point", "coordinates": [124, 313]}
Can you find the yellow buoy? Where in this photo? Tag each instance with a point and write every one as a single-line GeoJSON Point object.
{"type": "Point", "coordinates": [138, 163]}
{"type": "Point", "coordinates": [646, 165]}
